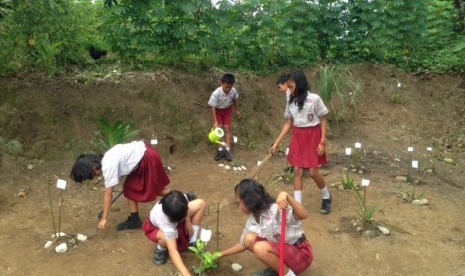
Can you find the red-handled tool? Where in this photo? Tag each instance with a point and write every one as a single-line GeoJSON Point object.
{"type": "Point", "coordinates": [282, 242]}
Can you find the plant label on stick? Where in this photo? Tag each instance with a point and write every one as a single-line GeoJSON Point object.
{"type": "Point", "coordinates": [348, 151]}
{"type": "Point", "coordinates": [415, 164]}
{"type": "Point", "coordinates": [410, 149]}
{"type": "Point", "coordinates": [205, 235]}
{"type": "Point", "coordinates": [61, 184]}
{"type": "Point", "coordinates": [235, 139]}
{"type": "Point", "coordinates": [365, 182]}
{"type": "Point", "coordinates": [154, 141]}
{"type": "Point", "coordinates": [358, 145]}
{"type": "Point", "coordinates": [259, 163]}
{"type": "Point", "coordinates": [429, 149]}
{"type": "Point", "coordinates": [287, 151]}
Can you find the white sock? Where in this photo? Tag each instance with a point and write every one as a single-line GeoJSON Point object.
{"type": "Point", "coordinates": [290, 273]}
{"type": "Point", "coordinates": [159, 247]}
{"type": "Point", "coordinates": [325, 193]}
{"type": "Point", "coordinates": [196, 233]}
{"type": "Point", "coordinates": [227, 148]}
{"type": "Point", "coordinates": [220, 149]}
{"type": "Point", "coordinates": [298, 196]}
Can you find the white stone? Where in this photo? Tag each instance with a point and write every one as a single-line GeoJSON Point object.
{"type": "Point", "coordinates": [236, 267]}
{"type": "Point", "coordinates": [61, 234]}
{"type": "Point", "coordinates": [220, 165]}
{"type": "Point", "coordinates": [48, 244]}
{"type": "Point", "coordinates": [425, 201]}
{"type": "Point", "coordinates": [81, 237]}
{"type": "Point", "coordinates": [61, 248]}
{"type": "Point", "coordinates": [234, 168]}
{"type": "Point", "coordinates": [384, 230]}
{"type": "Point", "coordinates": [227, 167]}
{"type": "Point", "coordinates": [417, 202]}
{"type": "Point", "coordinates": [243, 167]}
{"type": "Point", "coordinates": [239, 168]}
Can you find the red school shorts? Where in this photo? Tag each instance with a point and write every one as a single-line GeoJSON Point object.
{"type": "Point", "coordinates": [182, 241]}
{"type": "Point", "coordinates": [223, 116]}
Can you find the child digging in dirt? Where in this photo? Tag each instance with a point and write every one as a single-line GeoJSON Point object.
{"type": "Point", "coordinates": [146, 177]}
{"type": "Point", "coordinates": [262, 232]}
{"type": "Point", "coordinates": [174, 225]}
{"type": "Point", "coordinates": [221, 102]}
{"type": "Point", "coordinates": [306, 115]}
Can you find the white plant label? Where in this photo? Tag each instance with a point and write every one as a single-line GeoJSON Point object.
{"type": "Point", "coordinates": [287, 151]}
{"type": "Point", "coordinates": [205, 235]}
{"type": "Point", "coordinates": [365, 182]}
{"type": "Point", "coordinates": [348, 151]}
{"type": "Point", "coordinates": [259, 162]}
{"type": "Point", "coordinates": [399, 85]}
{"type": "Point", "coordinates": [235, 139]}
{"type": "Point", "coordinates": [154, 141]}
{"type": "Point", "coordinates": [61, 184]}
{"type": "Point", "coordinates": [415, 164]}
{"type": "Point", "coordinates": [410, 149]}
{"type": "Point", "coordinates": [429, 149]}
{"type": "Point", "coordinates": [358, 145]}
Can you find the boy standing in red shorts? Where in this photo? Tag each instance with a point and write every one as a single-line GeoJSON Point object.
{"type": "Point", "coordinates": [222, 100]}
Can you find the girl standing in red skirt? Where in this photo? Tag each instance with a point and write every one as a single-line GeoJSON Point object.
{"type": "Point", "coordinates": [306, 115]}
{"type": "Point", "coordinates": [146, 177]}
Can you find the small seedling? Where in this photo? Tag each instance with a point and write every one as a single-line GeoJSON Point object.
{"type": "Point", "coordinates": [348, 183]}
{"type": "Point", "coordinates": [365, 212]}
{"type": "Point", "coordinates": [208, 260]}
{"type": "Point", "coordinates": [357, 155]}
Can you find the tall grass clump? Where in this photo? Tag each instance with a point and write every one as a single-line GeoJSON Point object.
{"type": "Point", "coordinates": [338, 88]}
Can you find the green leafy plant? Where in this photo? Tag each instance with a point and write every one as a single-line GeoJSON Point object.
{"type": "Point", "coordinates": [365, 212]}
{"type": "Point", "coordinates": [348, 183]}
{"type": "Point", "coordinates": [338, 88]}
{"type": "Point", "coordinates": [114, 134]}
{"type": "Point", "coordinates": [208, 260]}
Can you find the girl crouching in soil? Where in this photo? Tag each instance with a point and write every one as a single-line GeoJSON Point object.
{"type": "Point", "coordinates": [262, 231]}
{"type": "Point", "coordinates": [174, 224]}
{"type": "Point", "coordinates": [146, 177]}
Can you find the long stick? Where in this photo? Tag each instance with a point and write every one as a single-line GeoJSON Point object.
{"type": "Point", "coordinates": [51, 209]}
{"type": "Point", "coordinates": [99, 216]}
{"type": "Point", "coordinates": [59, 213]}
{"type": "Point", "coordinates": [256, 170]}
{"type": "Point", "coordinates": [282, 242]}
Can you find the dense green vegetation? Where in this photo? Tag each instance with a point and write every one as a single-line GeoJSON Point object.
{"type": "Point", "coordinates": [54, 36]}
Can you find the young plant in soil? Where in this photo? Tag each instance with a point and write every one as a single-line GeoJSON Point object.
{"type": "Point", "coordinates": [348, 183]}
{"type": "Point", "coordinates": [364, 211]}
{"type": "Point", "coordinates": [117, 133]}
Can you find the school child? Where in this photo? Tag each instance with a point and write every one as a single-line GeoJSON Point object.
{"type": "Point", "coordinates": [281, 83]}
{"type": "Point", "coordinates": [221, 101]}
{"type": "Point", "coordinates": [174, 224]}
{"type": "Point", "coordinates": [306, 114]}
{"type": "Point", "coordinates": [146, 177]}
{"type": "Point", "coordinates": [262, 232]}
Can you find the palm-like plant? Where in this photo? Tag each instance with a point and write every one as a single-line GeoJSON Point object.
{"type": "Point", "coordinates": [114, 134]}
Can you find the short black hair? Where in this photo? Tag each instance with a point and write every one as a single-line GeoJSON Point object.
{"type": "Point", "coordinates": [281, 80]}
{"type": "Point", "coordinates": [84, 167]}
{"type": "Point", "coordinates": [174, 205]}
{"type": "Point", "coordinates": [253, 195]}
{"type": "Point", "coordinates": [228, 78]}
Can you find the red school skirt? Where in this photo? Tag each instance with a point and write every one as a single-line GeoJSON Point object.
{"type": "Point", "coordinates": [182, 241]}
{"type": "Point", "coordinates": [146, 182]}
{"type": "Point", "coordinates": [303, 148]}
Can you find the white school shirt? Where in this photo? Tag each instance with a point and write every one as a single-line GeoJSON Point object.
{"type": "Point", "coordinates": [312, 110]}
{"type": "Point", "coordinates": [120, 161]}
{"type": "Point", "coordinates": [221, 100]}
{"type": "Point", "coordinates": [269, 225]}
{"type": "Point", "coordinates": [160, 220]}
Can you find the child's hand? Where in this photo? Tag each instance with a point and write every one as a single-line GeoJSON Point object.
{"type": "Point", "coordinates": [102, 223]}
{"type": "Point", "coordinates": [282, 201]}
{"type": "Point", "coordinates": [321, 149]}
{"type": "Point", "coordinates": [238, 113]}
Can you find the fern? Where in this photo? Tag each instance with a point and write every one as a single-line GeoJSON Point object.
{"type": "Point", "coordinates": [114, 134]}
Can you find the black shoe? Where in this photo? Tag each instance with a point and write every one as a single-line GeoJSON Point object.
{"type": "Point", "coordinates": [267, 272]}
{"type": "Point", "coordinates": [326, 206]}
{"type": "Point", "coordinates": [219, 155]}
{"type": "Point", "coordinates": [160, 256]}
{"type": "Point", "coordinates": [228, 155]}
{"type": "Point", "coordinates": [129, 224]}
{"type": "Point", "coordinates": [191, 196]}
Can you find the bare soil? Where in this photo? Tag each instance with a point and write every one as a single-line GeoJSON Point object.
{"type": "Point", "coordinates": [54, 121]}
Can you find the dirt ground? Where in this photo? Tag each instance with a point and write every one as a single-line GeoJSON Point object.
{"type": "Point", "coordinates": [54, 121]}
